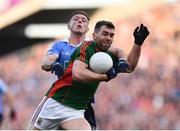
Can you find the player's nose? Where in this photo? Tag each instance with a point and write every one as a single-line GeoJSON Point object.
{"type": "Point", "coordinates": [79, 20]}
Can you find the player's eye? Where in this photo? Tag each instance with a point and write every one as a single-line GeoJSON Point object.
{"type": "Point", "coordinates": [111, 35]}
{"type": "Point", "coordinates": [75, 19]}
{"type": "Point", "coordinates": [84, 20]}
{"type": "Point", "coordinates": [105, 33]}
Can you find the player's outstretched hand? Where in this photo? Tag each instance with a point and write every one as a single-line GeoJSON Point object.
{"type": "Point", "coordinates": [140, 34]}
{"type": "Point", "coordinates": [57, 68]}
{"type": "Point", "coordinates": [111, 74]}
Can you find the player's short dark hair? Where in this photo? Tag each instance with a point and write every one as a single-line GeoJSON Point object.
{"type": "Point", "coordinates": [99, 24]}
{"type": "Point", "coordinates": [78, 12]}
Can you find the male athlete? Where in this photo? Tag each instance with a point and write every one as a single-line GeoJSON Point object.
{"type": "Point", "coordinates": [66, 101]}
{"type": "Point", "coordinates": [59, 54]}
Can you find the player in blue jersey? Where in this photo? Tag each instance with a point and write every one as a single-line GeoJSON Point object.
{"type": "Point", "coordinates": [59, 54]}
{"type": "Point", "coordinates": [5, 93]}
{"type": "Point", "coordinates": [61, 50]}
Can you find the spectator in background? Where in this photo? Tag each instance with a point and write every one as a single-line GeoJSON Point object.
{"type": "Point", "coordinates": [5, 94]}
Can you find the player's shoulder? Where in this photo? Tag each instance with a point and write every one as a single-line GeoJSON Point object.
{"type": "Point", "coordinates": [87, 43]}
{"type": "Point", "coordinates": [63, 41]}
{"type": "Point", "coordinates": [58, 43]}
{"type": "Point", "coordinates": [86, 46]}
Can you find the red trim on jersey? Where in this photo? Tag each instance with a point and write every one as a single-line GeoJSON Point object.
{"type": "Point", "coordinates": [66, 80]}
{"type": "Point", "coordinates": [83, 50]}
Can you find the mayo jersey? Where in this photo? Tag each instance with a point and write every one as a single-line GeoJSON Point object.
{"type": "Point", "coordinates": [73, 93]}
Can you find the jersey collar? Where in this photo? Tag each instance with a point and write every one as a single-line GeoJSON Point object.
{"type": "Point", "coordinates": [67, 41]}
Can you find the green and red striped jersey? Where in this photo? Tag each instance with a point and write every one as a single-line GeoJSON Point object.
{"type": "Point", "coordinates": [73, 93]}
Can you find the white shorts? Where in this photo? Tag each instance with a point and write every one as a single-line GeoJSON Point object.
{"type": "Point", "coordinates": [50, 114]}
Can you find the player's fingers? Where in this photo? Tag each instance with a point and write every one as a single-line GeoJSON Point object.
{"type": "Point", "coordinates": [141, 26]}
{"type": "Point", "coordinates": [146, 30]}
{"type": "Point", "coordinates": [136, 30]}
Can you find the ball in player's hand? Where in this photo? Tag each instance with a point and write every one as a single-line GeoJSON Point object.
{"type": "Point", "coordinates": [100, 62]}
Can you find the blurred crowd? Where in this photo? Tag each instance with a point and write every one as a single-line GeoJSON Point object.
{"type": "Point", "coordinates": [148, 98]}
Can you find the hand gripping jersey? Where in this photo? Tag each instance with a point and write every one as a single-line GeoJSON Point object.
{"type": "Point", "coordinates": [72, 93]}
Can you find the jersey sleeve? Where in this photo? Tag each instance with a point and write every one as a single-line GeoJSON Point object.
{"type": "Point", "coordinates": [55, 49]}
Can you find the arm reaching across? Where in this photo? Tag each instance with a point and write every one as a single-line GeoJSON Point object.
{"type": "Point", "coordinates": [127, 66]}
{"type": "Point", "coordinates": [80, 72]}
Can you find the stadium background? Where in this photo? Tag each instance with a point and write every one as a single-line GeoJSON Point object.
{"type": "Point", "coordinates": [149, 98]}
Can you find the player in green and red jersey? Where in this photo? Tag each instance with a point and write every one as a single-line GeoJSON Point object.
{"type": "Point", "coordinates": [59, 54]}
{"type": "Point", "coordinates": [66, 101]}
{"type": "Point", "coordinates": [74, 93]}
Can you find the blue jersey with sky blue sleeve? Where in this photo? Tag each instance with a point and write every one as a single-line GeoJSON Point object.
{"type": "Point", "coordinates": [63, 50]}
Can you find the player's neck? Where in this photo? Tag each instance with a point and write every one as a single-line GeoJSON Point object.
{"type": "Point", "coordinates": [76, 39]}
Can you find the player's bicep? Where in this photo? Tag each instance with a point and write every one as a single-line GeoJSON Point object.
{"type": "Point", "coordinates": [54, 49]}
{"type": "Point", "coordinates": [78, 68]}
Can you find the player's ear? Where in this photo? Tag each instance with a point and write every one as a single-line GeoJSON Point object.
{"type": "Point", "coordinates": [68, 25]}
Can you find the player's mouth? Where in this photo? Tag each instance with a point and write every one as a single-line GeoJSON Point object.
{"type": "Point", "coordinates": [106, 46]}
{"type": "Point", "coordinates": [79, 26]}
{"type": "Point", "coordinates": [107, 43]}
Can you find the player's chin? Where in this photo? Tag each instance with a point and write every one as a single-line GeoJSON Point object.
{"type": "Point", "coordinates": [79, 32]}
{"type": "Point", "coordinates": [104, 49]}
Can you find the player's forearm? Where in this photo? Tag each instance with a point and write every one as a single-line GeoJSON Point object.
{"type": "Point", "coordinates": [48, 60]}
{"type": "Point", "coordinates": [133, 57]}
{"type": "Point", "coordinates": [81, 73]}
{"type": "Point", "coordinates": [86, 75]}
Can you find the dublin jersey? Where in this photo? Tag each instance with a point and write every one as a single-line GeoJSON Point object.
{"type": "Point", "coordinates": [72, 93]}
{"type": "Point", "coordinates": [63, 50]}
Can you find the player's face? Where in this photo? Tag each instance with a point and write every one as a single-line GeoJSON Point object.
{"type": "Point", "coordinates": [79, 24]}
{"type": "Point", "coordinates": [104, 38]}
